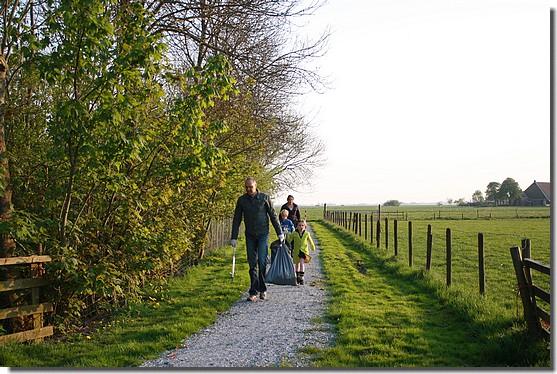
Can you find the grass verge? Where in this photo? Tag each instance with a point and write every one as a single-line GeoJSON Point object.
{"type": "Point", "coordinates": [143, 331]}
{"type": "Point", "coordinates": [389, 315]}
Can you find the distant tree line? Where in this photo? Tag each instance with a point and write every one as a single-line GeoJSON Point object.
{"type": "Point", "coordinates": [391, 203]}
{"type": "Point", "coordinates": [505, 193]}
{"type": "Point", "coordinates": [127, 126]}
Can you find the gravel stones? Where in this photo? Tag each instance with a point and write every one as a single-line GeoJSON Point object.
{"type": "Point", "coordinates": [265, 333]}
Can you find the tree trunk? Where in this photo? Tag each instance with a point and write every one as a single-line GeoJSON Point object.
{"type": "Point", "coordinates": [7, 243]}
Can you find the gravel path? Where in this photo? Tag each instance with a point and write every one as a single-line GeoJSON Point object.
{"type": "Point", "coordinates": [267, 333]}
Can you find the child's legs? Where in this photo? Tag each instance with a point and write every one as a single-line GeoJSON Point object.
{"type": "Point", "coordinates": [301, 265]}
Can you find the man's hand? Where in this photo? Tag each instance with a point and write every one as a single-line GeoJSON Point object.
{"type": "Point", "coordinates": [233, 242]}
{"type": "Point", "coordinates": [281, 238]}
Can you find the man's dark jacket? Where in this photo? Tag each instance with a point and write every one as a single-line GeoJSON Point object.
{"type": "Point", "coordinates": [256, 211]}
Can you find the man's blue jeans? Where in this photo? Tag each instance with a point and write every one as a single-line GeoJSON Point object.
{"type": "Point", "coordinates": [257, 247]}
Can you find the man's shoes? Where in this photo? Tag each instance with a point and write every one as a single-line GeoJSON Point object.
{"type": "Point", "coordinates": [263, 295]}
{"type": "Point", "coordinates": [252, 298]}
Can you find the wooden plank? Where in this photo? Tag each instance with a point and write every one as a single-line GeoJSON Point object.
{"type": "Point", "coordinates": [25, 310]}
{"type": "Point", "coordinates": [536, 265]}
{"type": "Point", "coordinates": [529, 312]}
{"type": "Point", "coordinates": [543, 314]}
{"type": "Point", "coordinates": [18, 284]}
{"type": "Point", "coordinates": [24, 260]}
{"type": "Point", "coordinates": [27, 335]}
{"type": "Point", "coordinates": [538, 292]}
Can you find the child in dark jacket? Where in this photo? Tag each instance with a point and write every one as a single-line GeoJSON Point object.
{"type": "Point", "coordinates": [286, 224]}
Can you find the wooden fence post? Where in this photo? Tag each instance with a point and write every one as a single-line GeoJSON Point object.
{"type": "Point", "coordinates": [395, 228]}
{"type": "Point", "coordinates": [350, 221]}
{"type": "Point", "coordinates": [526, 253]}
{"type": "Point", "coordinates": [360, 224]}
{"type": "Point", "coordinates": [386, 233]}
{"type": "Point", "coordinates": [481, 263]}
{"type": "Point", "coordinates": [410, 243]}
{"type": "Point", "coordinates": [378, 233]}
{"type": "Point", "coordinates": [37, 271]}
{"type": "Point", "coordinates": [365, 227]}
{"type": "Point", "coordinates": [526, 249]}
{"type": "Point", "coordinates": [524, 290]}
{"type": "Point", "coordinates": [448, 240]}
{"type": "Point", "coordinates": [371, 228]}
{"type": "Point", "coordinates": [429, 240]}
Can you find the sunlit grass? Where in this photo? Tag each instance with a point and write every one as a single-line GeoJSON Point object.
{"type": "Point", "coordinates": [143, 332]}
{"type": "Point", "coordinates": [390, 315]}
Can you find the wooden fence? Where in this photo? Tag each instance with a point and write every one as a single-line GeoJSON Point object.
{"type": "Point", "coordinates": [35, 308]}
{"type": "Point", "coordinates": [218, 234]}
{"type": "Point", "coordinates": [353, 221]}
{"type": "Point", "coordinates": [537, 319]}
{"type": "Point", "coordinates": [442, 214]}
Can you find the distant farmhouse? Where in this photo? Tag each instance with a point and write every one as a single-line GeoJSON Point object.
{"type": "Point", "coordinates": [539, 193]}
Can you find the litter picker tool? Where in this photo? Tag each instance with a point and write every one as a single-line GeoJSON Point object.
{"type": "Point", "coordinates": [233, 261]}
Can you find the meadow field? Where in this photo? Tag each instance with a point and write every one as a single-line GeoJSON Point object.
{"type": "Point", "coordinates": [501, 303]}
{"type": "Point", "coordinates": [428, 212]}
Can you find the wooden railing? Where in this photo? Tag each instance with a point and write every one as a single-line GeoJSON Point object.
{"type": "Point", "coordinates": [36, 308]}
{"type": "Point", "coordinates": [537, 319]}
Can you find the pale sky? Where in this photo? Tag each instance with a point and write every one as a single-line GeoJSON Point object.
{"type": "Point", "coordinates": [429, 99]}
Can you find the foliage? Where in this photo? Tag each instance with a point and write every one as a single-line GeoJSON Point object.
{"type": "Point", "coordinates": [116, 165]}
{"type": "Point", "coordinates": [391, 203]}
{"type": "Point", "coordinates": [478, 197]}
{"type": "Point", "coordinates": [127, 133]}
{"type": "Point", "coordinates": [507, 191]}
{"type": "Point", "coordinates": [492, 191]}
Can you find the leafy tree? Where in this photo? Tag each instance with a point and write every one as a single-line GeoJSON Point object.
{"type": "Point", "coordinates": [478, 197]}
{"type": "Point", "coordinates": [491, 191]}
{"type": "Point", "coordinates": [509, 190]}
{"type": "Point", "coordinates": [130, 126]}
{"type": "Point", "coordinates": [114, 161]}
{"type": "Point", "coordinates": [392, 203]}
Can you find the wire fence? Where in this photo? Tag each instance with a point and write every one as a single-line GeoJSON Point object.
{"type": "Point", "coordinates": [473, 257]}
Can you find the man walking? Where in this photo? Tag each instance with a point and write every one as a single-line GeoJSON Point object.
{"type": "Point", "coordinates": [256, 209]}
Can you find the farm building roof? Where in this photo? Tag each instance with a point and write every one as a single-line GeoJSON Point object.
{"type": "Point", "coordinates": [539, 190]}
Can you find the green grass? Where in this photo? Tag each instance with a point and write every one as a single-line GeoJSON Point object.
{"type": "Point", "coordinates": [426, 212]}
{"type": "Point", "coordinates": [389, 315]}
{"type": "Point", "coordinates": [499, 235]}
{"type": "Point", "coordinates": [144, 331]}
